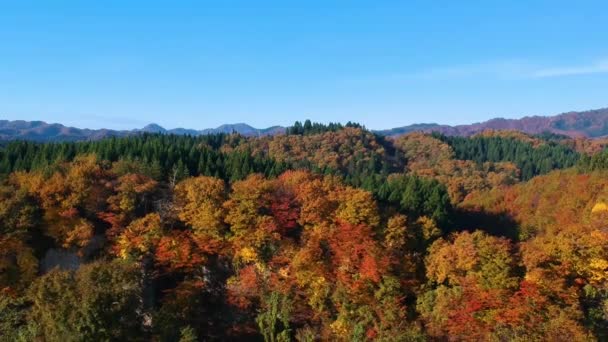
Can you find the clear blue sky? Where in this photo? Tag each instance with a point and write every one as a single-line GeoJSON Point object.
{"type": "Point", "coordinates": [123, 64]}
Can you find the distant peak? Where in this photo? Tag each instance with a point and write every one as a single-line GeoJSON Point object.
{"type": "Point", "coordinates": [238, 124]}
{"type": "Point", "coordinates": [153, 128]}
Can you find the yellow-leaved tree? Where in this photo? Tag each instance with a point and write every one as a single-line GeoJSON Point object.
{"type": "Point", "coordinates": [199, 204]}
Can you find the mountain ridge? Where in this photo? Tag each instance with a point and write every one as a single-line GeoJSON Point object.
{"type": "Point", "coordinates": [590, 124]}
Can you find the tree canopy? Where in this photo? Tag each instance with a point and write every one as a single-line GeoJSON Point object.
{"type": "Point", "coordinates": [327, 232]}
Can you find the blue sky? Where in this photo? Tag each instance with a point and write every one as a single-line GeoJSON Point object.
{"type": "Point", "coordinates": [123, 64]}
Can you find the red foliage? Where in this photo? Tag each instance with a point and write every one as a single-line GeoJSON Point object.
{"type": "Point", "coordinates": [178, 252]}
{"type": "Point", "coordinates": [525, 307]}
{"type": "Point", "coordinates": [371, 333]}
{"type": "Point", "coordinates": [356, 255]}
{"type": "Point", "coordinates": [466, 318]}
{"type": "Point", "coordinates": [207, 245]}
{"type": "Point", "coordinates": [69, 213]}
{"type": "Point", "coordinates": [285, 210]}
{"type": "Point", "coordinates": [245, 287]}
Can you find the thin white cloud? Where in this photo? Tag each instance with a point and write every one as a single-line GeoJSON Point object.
{"type": "Point", "coordinates": [500, 69]}
{"type": "Point", "coordinates": [596, 68]}
{"type": "Point", "coordinates": [514, 69]}
{"type": "Point", "coordinates": [506, 70]}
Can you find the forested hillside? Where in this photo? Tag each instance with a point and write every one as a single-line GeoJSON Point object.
{"type": "Point", "coordinates": [328, 232]}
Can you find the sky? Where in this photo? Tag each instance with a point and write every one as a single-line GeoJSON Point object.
{"type": "Point", "coordinates": [200, 64]}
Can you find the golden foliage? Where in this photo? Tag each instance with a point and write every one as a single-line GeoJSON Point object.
{"type": "Point", "coordinates": [199, 203]}
{"type": "Point", "coordinates": [486, 259]}
{"type": "Point", "coordinates": [140, 237]}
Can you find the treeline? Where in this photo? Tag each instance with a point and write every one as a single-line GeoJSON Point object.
{"type": "Point", "coordinates": [417, 197]}
{"type": "Point", "coordinates": [175, 156]}
{"type": "Point", "coordinates": [598, 161]}
{"type": "Point", "coordinates": [162, 157]}
{"type": "Point", "coordinates": [531, 161]}
{"type": "Point", "coordinates": [315, 128]}
{"type": "Point", "coordinates": [171, 158]}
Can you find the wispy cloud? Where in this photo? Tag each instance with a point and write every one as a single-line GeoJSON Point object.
{"type": "Point", "coordinates": [505, 70]}
{"type": "Point", "coordinates": [513, 69]}
{"type": "Point", "coordinates": [595, 68]}
{"type": "Point", "coordinates": [499, 69]}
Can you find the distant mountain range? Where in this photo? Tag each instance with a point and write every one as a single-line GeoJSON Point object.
{"type": "Point", "coordinates": [592, 124]}
{"type": "Point", "coordinates": [42, 131]}
{"type": "Point", "coordinates": [45, 132]}
{"type": "Point", "coordinates": [240, 128]}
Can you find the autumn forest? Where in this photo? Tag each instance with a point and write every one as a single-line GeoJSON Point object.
{"type": "Point", "coordinates": [323, 233]}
